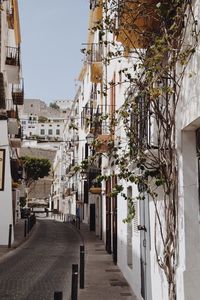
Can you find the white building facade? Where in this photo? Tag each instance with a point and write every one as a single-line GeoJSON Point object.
{"type": "Point", "coordinates": [11, 97]}
{"type": "Point", "coordinates": [132, 244]}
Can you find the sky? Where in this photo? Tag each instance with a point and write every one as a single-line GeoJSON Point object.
{"type": "Point", "coordinates": [52, 33]}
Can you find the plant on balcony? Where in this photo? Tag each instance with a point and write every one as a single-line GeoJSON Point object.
{"type": "Point", "coordinates": [153, 35]}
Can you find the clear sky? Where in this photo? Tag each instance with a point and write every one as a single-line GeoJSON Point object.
{"type": "Point", "coordinates": [52, 32]}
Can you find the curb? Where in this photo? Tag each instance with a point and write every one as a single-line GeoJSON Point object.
{"type": "Point", "coordinates": [78, 231]}
{"type": "Point", "coordinates": [16, 247]}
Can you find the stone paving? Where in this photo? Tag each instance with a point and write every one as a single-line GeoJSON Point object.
{"type": "Point", "coordinates": [103, 279]}
{"type": "Point", "coordinates": [42, 265]}
{"type": "Point", "coordinates": [18, 238]}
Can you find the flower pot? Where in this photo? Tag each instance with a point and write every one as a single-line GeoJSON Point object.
{"type": "Point", "coordinates": [95, 190]}
{"type": "Point", "coordinates": [11, 113]}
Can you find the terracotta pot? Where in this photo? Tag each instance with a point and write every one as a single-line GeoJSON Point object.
{"type": "Point", "coordinates": [95, 190]}
{"type": "Point", "coordinates": [11, 113]}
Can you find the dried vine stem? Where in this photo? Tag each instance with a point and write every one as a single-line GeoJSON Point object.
{"type": "Point", "coordinates": [153, 36]}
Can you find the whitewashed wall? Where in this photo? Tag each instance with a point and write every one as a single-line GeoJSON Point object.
{"type": "Point", "coordinates": [6, 216]}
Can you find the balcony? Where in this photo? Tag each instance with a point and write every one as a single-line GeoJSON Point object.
{"type": "Point", "coordinates": [2, 92]}
{"type": "Point", "coordinates": [97, 9]}
{"type": "Point", "coordinates": [13, 56]}
{"type": "Point", "coordinates": [94, 185]}
{"type": "Point", "coordinates": [18, 93]}
{"type": "Point", "coordinates": [104, 143]}
{"type": "Point", "coordinates": [10, 18]}
{"type": "Point", "coordinates": [135, 21]}
{"type": "Point", "coordinates": [95, 54]}
{"type": "Point", "coordinates": [12, 64]}
{"type": "Point", "coordinates": [95, 57]}
{"type": "Point", "coordinates": [11, 114]}
{"type": "Point", "coordinates": [96, 72]}
{"type": "Point", "coordinates": [13, 126]}
{"type": "Point", "coordinates": [102, 120]}
{"type": "Point", "coordinates": [86, 116]}
{"type": "Point", "coordinates": [97, 121]}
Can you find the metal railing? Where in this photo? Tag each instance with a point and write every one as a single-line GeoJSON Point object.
{"type": "Point", "coordinates": [95, 54]}
{"type": "Point", "coordinates": [13, 56]}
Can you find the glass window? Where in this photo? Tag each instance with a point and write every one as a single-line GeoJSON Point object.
{"type": "Point", "coordinates": [42, 131]}
{"type": "Point", "coordinates": [57, 131]}
{"type": "Point", "coordinates": [50, 131]}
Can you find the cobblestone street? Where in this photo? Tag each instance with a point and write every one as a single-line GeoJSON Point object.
{"type": "Point", "coordinates": [42, 265]}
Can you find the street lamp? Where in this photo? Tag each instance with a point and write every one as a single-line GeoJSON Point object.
{"type": "Point", "coordinates": [90, 139]}
{"type": "Point", "coordinates": [83, 174]}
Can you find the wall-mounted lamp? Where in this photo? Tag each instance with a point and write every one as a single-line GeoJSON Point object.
{"type": "Point", "coordinates": [90, 139]}
{"type": "Point", "coordinates": [83, 174]}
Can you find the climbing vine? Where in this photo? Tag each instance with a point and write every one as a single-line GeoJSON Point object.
{"type": "Point", "coordinates": [157, 40]}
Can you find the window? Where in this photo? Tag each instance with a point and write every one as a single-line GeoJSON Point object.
{"type": "Point", "coordinates": [57, 131]}
{"type": "Point", "coordinates": [42, 131]}
{"type": "Point", "coordinates": [86, 150]}
{"type": "Point", "coordinates": [140, 125]}
{"type": "Point", "coordinates": [50, 131]}
{"type": "Point", "coordinates": [23, 122]}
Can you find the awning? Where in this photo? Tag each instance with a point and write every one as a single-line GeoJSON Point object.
{"type": "Point", "coordinates": [16, 22]}
{"type": "Point", "coordinates": [96, 72]}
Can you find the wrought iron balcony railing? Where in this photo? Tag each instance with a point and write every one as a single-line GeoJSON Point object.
{"type": "Point", "coordinates": [95, 54]}
{"type": "Point", "coordinates": [2, 92]}
{"type": "Point", "coordinates": [18, 93]}
{"type": "Point", "coordinates": [13, 56]}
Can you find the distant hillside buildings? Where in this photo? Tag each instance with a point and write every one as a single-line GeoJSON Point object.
{"type": "Point", "coordinates": [42, 122]}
